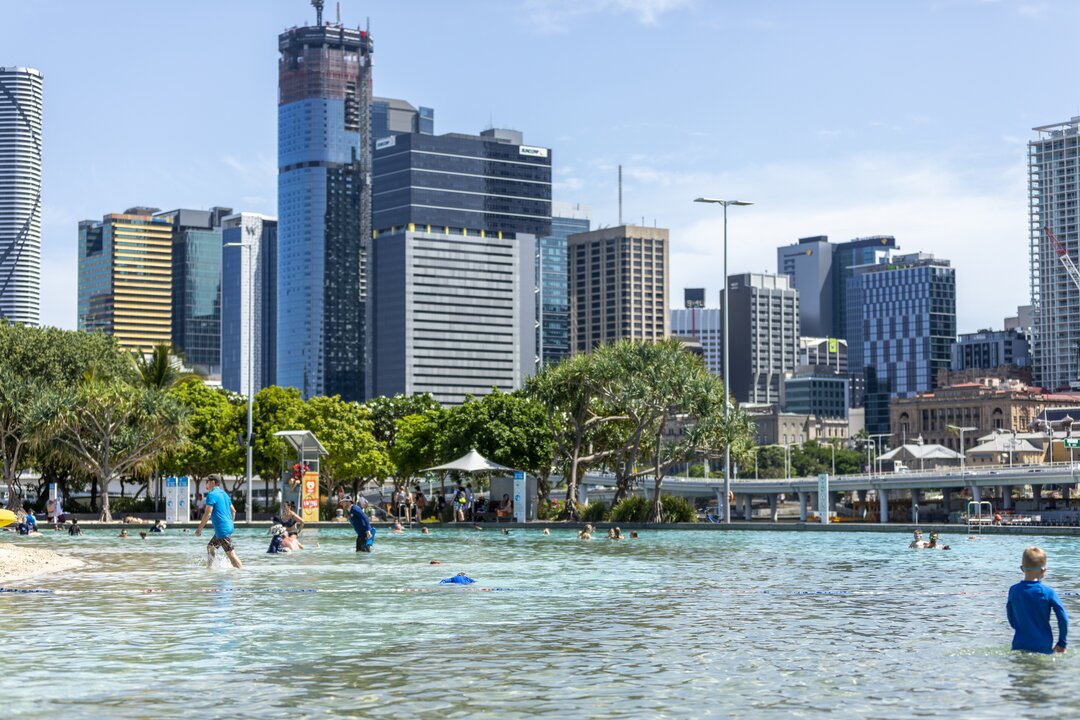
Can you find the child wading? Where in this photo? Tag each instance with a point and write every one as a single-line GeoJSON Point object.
{"type": "Point", "coordinates": [1029, 606]}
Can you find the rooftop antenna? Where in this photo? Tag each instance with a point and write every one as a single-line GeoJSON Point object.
{"type": "Point", "coordinates": [338, 13]}
{"type": "Point", "coordinates": [620, 194]}
{"type": "Point", "coordinates": [318, 5]}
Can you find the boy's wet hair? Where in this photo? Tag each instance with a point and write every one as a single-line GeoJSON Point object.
{"type": "Point", "coordinates": [1034, 558]}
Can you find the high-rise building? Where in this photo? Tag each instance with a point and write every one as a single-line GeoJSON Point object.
{"type": "Point", "coordinates": [453, 262]}
{"type": "Point", "coordinates": [816, 390]}
{"type": "Point", "coordinates": [990, 349]}
{"type": "Point", "coordinates": [390, 116]}
{"type": "Point", "coordinates": [809, 265]}
{"type": "Point", "coordinates": [820, 271]}
{"type": "Point", "coordinates": [764, 316]}
{"type": "Point", "coordinates": [196, 287]}
{"type": "Point", "coordinates": [125, 278]}
{"type": "Point", "coordinates": [1053, 182]}
{"type": "Point", "coordinates": [901, 329]}
{"type": "Point", "coordinates": [324, 204]}
{"type": "Point", "coordinates": [248, 301]}
{"type": "Point", "coordinates": [20, 194]}
{"type": "Point", "coordinates": [553, 281]}
{"type": "Point", "coordinates": [707, 325]}
{"type": "Point", "coordinates": [618, 285]}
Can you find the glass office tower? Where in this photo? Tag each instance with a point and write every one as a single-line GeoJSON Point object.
{"type": "Point", "coordinates": [553, 281]}
{"type": "Point", "coordinates": [196, 287]}
{"type": "Point", "coordinates": [324, 207]}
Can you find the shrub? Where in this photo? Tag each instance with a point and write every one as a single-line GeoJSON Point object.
{"type": "Point", "coordinates": [677, 509]}
{"type": "Point", "coordinates": [631, 509]}
{"type": "Point", "coordinates": [595, 512]}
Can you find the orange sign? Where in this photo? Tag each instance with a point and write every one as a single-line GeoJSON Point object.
{"type": "Point", "coordinates": [309, 497]}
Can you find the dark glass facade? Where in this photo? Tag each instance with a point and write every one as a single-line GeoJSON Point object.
{"type": "Point", "coordinates": [324, 132]}
{"type": "Point", "coordinates": [390, 116]}
{"type": "Point", "coordinates": [845, 258]}
{"type": "Point", "coordinates": [453, 183]}
{"type": "Point", "coordinates": [196, 287]}
{"type": "Point", "coordinates": [902, 325]}
{"type": "Point", "coordinates": [553, 280]}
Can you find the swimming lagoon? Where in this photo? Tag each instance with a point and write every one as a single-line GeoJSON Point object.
{"type": "Point", "coordinates": [674, 624]}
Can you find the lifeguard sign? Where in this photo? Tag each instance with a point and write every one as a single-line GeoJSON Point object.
{"type": "Point", "coordinates": [302, 484]}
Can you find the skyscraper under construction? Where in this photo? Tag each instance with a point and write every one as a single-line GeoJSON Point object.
{"type": "Point", "coordinates": [324, 206]}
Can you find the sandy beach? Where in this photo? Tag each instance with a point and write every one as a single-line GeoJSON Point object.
{"type": "Point", "coordinates": [19, 561]}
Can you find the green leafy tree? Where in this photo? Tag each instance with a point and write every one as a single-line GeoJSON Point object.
{"type": "Point", "coordinates": [345, 429]}
{"type": "Point", "coordinates": [418, 444]}
{"type": "Point", "coordinates": [276, 409]}
{"type": "Point", "coordinates": [213, 445]}
{"type": "Point", "coordinates": [112, 429]}
{"type": "Point", "coordinates": [507, 428]}
{"type": "Point", "coordinates": [32, 362]}
{"type": "Point", "coordinates": [386, 411]}
{"type": "Point", "coordinates": [571, 394]}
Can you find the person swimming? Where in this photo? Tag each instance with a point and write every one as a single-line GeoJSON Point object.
{"type": "Point", "coordinates": [586, 532]}
{"type": "Point", "coordinates": [459, 579]}
{"type": "Point", "coordinates": [918, 541]}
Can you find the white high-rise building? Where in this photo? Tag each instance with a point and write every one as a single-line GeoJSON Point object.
{"type": "Point", "coordinates": [20, 194]}
{"type": "Point", "coordinates": [1053, 187]}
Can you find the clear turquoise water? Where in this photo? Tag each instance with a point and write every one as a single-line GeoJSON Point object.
{"type": "Point", "coordinates": [675, 624]}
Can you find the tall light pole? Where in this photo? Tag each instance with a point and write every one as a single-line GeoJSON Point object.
{"type": "Point", "coordinates": [250, 367]}
{"type": "Point", "coordinates": [963, 455]}
{"type": "Point", "coordinates": [727, 387]}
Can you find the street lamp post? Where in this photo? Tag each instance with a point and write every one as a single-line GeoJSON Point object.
{"type": "Point", "coordinates": [963, 455]}
{"type": "Point", "coordinates": [727, 387]}
{"type": "Point", "coordinates": [250, 368]}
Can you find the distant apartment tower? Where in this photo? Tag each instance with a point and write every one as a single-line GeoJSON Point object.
{"type": "Point", "coordinates": [707, 325]}
{"type": "Point", "coordinates": [553, 281]}
{"type": "Point", "coordinates": [618, 285]}
{"type": "Point", "coordinates": [248, 301]}
{"type": "Point", "coordinates": [990, 349]}
{"type": "Point", "coordinates": [324, 204]}
{"type": "Point", "coordinates": [453, 262]}
{"type": "Point", "coordinates": [764, 315]}
{"type": "Point", "coordinates": [125, 278]}
{"type": "Point", "coordinates": [820, 271]}
{"type": "Point", "coordinates": [902, 326]}
{"type": "Point", "coordinates": [815, 390]}
{"type": "Point", "coordinates": [196, 287]}
{"type": "Point", "coordinates": [390, 116]}
{"type": "Point", "coordinates": [1053, 183]}
{"type": "Point", "coordinates": [20, 194]}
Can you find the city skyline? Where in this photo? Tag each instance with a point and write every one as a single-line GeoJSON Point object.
{"type": "Point", "coordinates": [933, 152]}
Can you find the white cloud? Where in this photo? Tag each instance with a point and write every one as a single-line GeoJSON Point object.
{"type": "Point", "coordinates": [556, 15]}
{"type": "Point", "coordinates": [978, 221]}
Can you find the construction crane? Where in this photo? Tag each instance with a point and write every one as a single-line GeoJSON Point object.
{"type": "Point", "coordinates": [1063, 255]}
{"type": "Point", "coordinates": [1074, 274]}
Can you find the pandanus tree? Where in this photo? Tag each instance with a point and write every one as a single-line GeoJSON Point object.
{"type": "Point", "coordinates": [112, 428]}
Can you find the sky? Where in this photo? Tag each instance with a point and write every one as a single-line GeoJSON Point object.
{"type": "Point", "coordinates": [843, 118]}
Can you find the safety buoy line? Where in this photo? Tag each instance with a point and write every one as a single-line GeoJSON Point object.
{"type": "Point", "coordinates": [342, 591]}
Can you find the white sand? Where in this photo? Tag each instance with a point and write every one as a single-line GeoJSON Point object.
{"type": "Point", "coordinates": [19, 561]}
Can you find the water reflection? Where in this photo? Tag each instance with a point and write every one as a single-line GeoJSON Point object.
{"type": "Point", "coordinates": [673, 624]}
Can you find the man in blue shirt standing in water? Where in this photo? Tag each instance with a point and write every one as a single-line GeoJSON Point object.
{"type": "Point", "coordinates": [220, 512]}
{"type": "Point", "coordinates": [365, 534]}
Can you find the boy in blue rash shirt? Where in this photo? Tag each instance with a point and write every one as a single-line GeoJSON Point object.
{"type": "Point", "coordinates": [220, 512]}
{"type": "Point", "coordinates": [365, 534]}
{"type": "Point", "coordinates": [1029, 606]}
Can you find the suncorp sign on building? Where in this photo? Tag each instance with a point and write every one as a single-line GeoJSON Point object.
{"type": "Point", "coordinates": [532, 151]}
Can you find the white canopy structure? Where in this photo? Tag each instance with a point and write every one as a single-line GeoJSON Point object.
{"type": "Point", "coordinates": [303, 441]}
{"type": "Point", "coordinates": [471, 462]}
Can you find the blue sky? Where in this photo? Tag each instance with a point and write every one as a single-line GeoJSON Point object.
{"type": "Point", "coordinates": [843, 118]}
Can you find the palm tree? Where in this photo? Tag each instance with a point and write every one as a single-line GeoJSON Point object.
{"type": "Point", "coordinates": [161, 369]}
